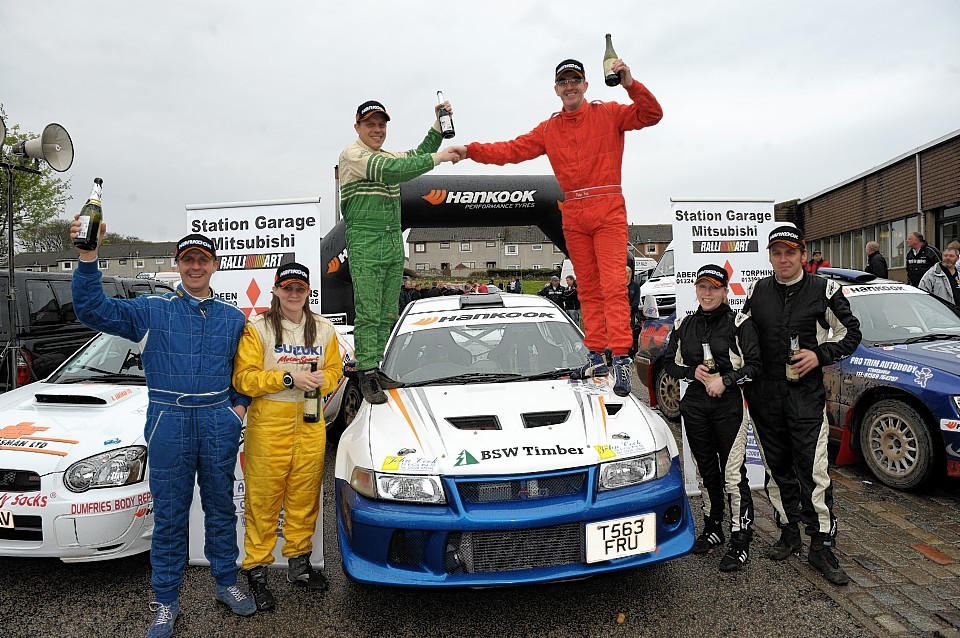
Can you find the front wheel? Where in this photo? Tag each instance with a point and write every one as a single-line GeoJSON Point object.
{"type": "Point", "coordinates": [897, 445]}
{"type": "Point", "coordinates": [667, 390]}
{"type": "Point", "coordinates": [349, 406]}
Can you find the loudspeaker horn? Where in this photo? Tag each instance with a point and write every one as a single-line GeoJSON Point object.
{"type": "Point", "coordinates": [54, 146]}
{"type": "Point", "coordinates": [3, 132]}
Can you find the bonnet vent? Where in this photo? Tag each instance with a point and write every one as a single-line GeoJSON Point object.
{"type": "Point", "coordinates": [70, 399]}
{"type": "Point", "coordinates": [481, 422]}
{"type": "Point", "coordinates": [540, 419]}
{"type": "Point", "coordinates": [613, 408]}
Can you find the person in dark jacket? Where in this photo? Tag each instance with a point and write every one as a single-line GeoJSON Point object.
{"type": "Point", "coordinates": [636, 316]}
{"type": "Point", "coordinates": [571, 301]}
{"type": "Point", "coordinates": [407, 294]}
{"type": "Point", "coordinates": [514, 286]}
{"type": "Point", "coordinates": [920, 258]}
{"type": "Point", "coordinates": [804, 323]}
{"type": "Point", "coordinates": [553, 291]}
{"type": "Point", "coordinates": [876, 263]}
{"type": "Point", "coordinates": [717, 351]}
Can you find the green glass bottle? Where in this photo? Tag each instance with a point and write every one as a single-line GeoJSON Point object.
{"type": "Point", "coordinates": [311, 401]}
{"type": "Point", "coordinates": [90, 218]}
{"type": "Point", "coordinates": [609, 56]}
{"type": "Point", "coordinates": [446, 120]}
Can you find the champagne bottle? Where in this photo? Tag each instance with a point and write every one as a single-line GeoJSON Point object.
{"type": "Point", "coordinates": [794, 351]}
{"type": "Point", "coordinates": [90, 218]}
{"type": "Point", "coordinates": [311, 401]}
{"type": "Point", "coordinates": [709, 361]}
{"type": "Point", "coordinates": [609, 56]}
{"type": "Point", "coordinates": [446, 120]}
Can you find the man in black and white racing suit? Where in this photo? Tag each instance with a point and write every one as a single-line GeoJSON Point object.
{"type": "Point", "coordinates": [787, 401]}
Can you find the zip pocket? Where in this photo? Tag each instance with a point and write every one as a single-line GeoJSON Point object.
{"type": "Point", "coordinates": [149, 438]}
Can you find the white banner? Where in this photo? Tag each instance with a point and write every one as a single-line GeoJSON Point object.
{"type": "Point", "coordinates": [731, 234]}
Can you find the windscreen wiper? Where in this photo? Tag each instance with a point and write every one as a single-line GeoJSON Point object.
{"type": "Point", "coordinates": [480, 377]}
{"type": "Point", "coordinates": [550, 374]}
{"type": "Point", "coordinates": [933, 336]}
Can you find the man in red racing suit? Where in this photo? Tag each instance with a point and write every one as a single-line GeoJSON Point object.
{"type": "Point", "coordinates": [584, 143]}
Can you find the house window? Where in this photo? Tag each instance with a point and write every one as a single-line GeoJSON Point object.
{"type": "Point", "coordinates": [651, 249]}
{"type": "Point", "coordinates": [423, 266]}
{"type": "Point", "coordinates": [138, 263]}
{"type": "Point", "coordinates": [444, 244]}
{"type": "Point", "coordinates": [104, 264]}
{"type": "Point", "coordinates": [123, 262]}
{"type": "Point", "coordinates": [66, 265]}
{"type": "Point", "coordinates": [514, 266]}
{"type": "Point", "coordinates": [470, 264]}
{"type": "Point", "coordinates": [159, 261]}
{"type": "Point", "coordinates": [558, 266]}
{"type": "Point", "coordinates": [173, 262]}
{"type": "Point", "coordinates": [491, 264]}
{"type": "Point", "coordinates": [511, 249]}
{"type": "Point", "coordinates": [491, 244]}
{"type": "Point", "coordinates": [419, 248]}
{"type": "Point", "coordinates": [537, 266]}
{"type": "Point", "coordinates": [536, 247]}
{"type": "Point", "coordinates": [464, 246]}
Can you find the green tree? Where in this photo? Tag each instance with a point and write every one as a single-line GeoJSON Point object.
{"type": "Point", "coordinates": [38, 200]}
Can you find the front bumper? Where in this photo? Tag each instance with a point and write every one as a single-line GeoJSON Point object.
{"type": "Point", "coordinates": [510, 542]}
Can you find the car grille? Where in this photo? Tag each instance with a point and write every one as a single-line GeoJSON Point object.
{"type": "Point", "coordinates": [19, 481]}
{"type": "Point", "coordinates": [25, 528]}
{"type": "Point", "coordinates": [666, 301]}
{"type": "Point", "coordinates": [522, 489]}
{"type": "Point", "coordinates": [511, 550]}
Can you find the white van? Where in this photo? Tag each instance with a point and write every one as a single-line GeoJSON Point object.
{"type": "Point", "coordinates": [640, 266]}
{"type": "Point", "coordinates": [662, 284]}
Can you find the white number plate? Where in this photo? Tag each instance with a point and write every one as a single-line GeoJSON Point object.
{"type": "Point", "coordinates": [6, 518]}
{"type": "Point", "coordinates": [607, 540]}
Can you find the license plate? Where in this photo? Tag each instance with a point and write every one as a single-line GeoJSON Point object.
{"type": "Point", "coordinates": [621, 537]}
{"type": "Point", "coordinates": [6, 518]}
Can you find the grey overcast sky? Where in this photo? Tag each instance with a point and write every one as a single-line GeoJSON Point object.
{"type": "Point", "coordinates": [186, 102]}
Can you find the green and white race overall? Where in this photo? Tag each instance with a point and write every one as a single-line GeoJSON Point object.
{"type": "Point", "coordinates": [370, 202]}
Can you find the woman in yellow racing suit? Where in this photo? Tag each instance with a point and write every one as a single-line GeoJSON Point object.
{"type": "Point", "coordinates": [283, 455]}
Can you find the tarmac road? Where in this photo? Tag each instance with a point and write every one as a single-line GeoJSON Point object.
{"type": "Point", "coordinates": [897, 588]}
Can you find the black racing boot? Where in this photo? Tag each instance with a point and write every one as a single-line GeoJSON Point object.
{"type": "Point", "coordinates": [789, 543]}
{"type": "Point", "coordinates": [301, 573]}
{"type": "Point", "coordinates": [257, 584]}
{"type": "Point", "coordinates": [386, 382]}
{"type": "Point", "coordinates": [739, 552]}
{"type": "Point", "coordinates": [821, 558]}
{"type": "Point", "coordinates": [710, 537]}
{"type": "Point", "coordinates": [370, 386]}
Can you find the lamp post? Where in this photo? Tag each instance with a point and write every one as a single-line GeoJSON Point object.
{"type": "Point", "coordinates": [55, 147]}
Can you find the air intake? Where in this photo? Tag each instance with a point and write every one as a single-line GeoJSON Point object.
{"type": "Point", "coordinates": [70, 399]}
{"type": "Point", "coordinates": [482, 422]}
{"type": "Point", "coordinates": [540, 419]}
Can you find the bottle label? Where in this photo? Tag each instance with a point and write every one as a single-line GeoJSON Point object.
{"type": "Point", "coordinates": [311, 407]}
{"type": "Point", "coordinates": [84, 233]}
{"type": "Point", "coordinates": [608, 66]}
{"type": "Point", "coordinates": [791, 373]}
{"type": "Point", "coordinates": [446, 123]}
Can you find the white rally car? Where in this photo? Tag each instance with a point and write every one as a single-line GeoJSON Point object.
{"type": "Point", "coordinates": [492, 467]}
{"type": "Point", "coordinates": [73, 461]}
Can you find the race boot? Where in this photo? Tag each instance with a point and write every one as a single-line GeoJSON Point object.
{"type": "Point", "coordinates": [710, 537]}
{"type": "Point", "coordinates": [621, 375]}
{"type": "Point", "coordinates": [236, 599]}
{"type": "Point", "coordinates": [302, 573]}
{"type": "Point", "coordinates": [738, 553]}
{"type": "Point", "coordinates": [789, 543]}
{"type": "Point", "coordinates": [595, 366]}
{"type": "Point", "coordinates": [370, 387]}
{"type": "Point", "coordinates": [821, 558]}
{"type": "Point", "coordinates": [386, 382]}
{"type": "Point", "coordinates": [257, 584]}
{"type": "Point", "coordinates": [162, 625]}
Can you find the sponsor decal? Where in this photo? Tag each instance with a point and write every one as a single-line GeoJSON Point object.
{"type": "Point", "coordinates": [121, 394]}
{"type": "Point", "coordinates": [883, 370]}
{"type": "Point", "coordinates": [482, 199]}
{"type": "Point", "coordinates": [254, 261]}
{"type": "Point", "coordinates": [253, 294]}
{"type": "Point", "coordinates": [950, 424]}
{"type": "Point", "coordinates": [426, 321]}
{"type": "Point", "coordinates": [144, 511]}
{"type": "Point", "coordinates": [19, 438]}
{"type": "Point", "coordinates": [140, 501]}
{"type": "Point", "coordinates": [731, 246]}
{"type": "Point", "coordinates": [22, 500]}
{"type": "Point", "coordinates": [465, 458]}
{"type": "Point", "coordinates": [605, 452]}
{"type": "Point", "coordinates": [866, 290]}
{"type": "Point", "coordinates": [922, 376]}
{"type": "Point", "coordinates": [629, 448]}
{"type": "Point", "coordinates": [527, 450]}
{"type": "Point", "coordinates": [592, 387]}
{"type": "Point", "coordinates": [409, 464]}
{"type": "Point", "coordinates": [334, 264]}
{"type": "Point", "coordinates": [112, 441]}
{"type": "Point", "coordinates": [654, 335]}
{"type": "Point", "coordinates": [945, 347]}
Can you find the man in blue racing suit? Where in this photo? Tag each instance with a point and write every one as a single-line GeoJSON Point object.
{"type": "Point", "coordinates": [194, 418]}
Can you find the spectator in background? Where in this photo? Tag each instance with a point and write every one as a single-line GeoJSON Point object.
{"type": "Point", "coordinates": [432, 291]}
{"type": "Point", "coordinates": [816, 263]}
{"type": "Point", "coordinates": [920, 258]}
{"type": "Point", "coordinates": [571, 300]}
{"type": "Point", "coordinates": [408, 293]}
{"type": "Point", "coordinates": [636, 316]}
{"type": "Point", "coordinates": [514, 286]}
{"type": "Point", "coordinates": [941, 280]}
{"type": "Point", "coordinates": [553, 291]}
{"type": "Point", "coordinates": [876, 263]}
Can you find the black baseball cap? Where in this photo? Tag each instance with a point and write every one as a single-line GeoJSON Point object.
{"type": "Point", "coordinates": [290, 273]}
{"type": "Point", "coordinates": [788, 235]}
{"type": "Point", "coordinates": [196, 242]}
{"type": "Point", "coordinates": [570, 65]}
{"type": "Point", "coordinates": [716, 275]}
{"type": "Point", "coordinates": [370, 107]}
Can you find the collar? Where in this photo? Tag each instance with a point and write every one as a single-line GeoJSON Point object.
{"type": "Point", "coordinates": [194, 302]}
{"type": "Point", "coordinates": [790, 283]}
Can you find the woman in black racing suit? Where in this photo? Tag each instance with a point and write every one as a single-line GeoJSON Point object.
{"type": "Point", "coordinates": [717, 352]}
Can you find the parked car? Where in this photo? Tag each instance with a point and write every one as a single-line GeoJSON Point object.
{"type": "Point", "coordinates": [492, 467]}
{"type": "Point", "coordinates": [895, 402]}
{"type": "Point", "coordinates": [74, 479]}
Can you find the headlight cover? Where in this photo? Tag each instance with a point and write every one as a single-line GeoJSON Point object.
{"type": "Point", "coordinates": [956, 402]}
{"type": "Point", "coordinates": [411, 488]}
{"type": "Point", "coordinates": [640, 469]}
{"type": "Point", "coordinates": [123, 466]}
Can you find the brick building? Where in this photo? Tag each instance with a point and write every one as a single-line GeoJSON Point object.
{"type": "Point", "coordinates": [917, 191]}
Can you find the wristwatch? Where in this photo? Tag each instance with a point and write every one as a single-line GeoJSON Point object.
{"type": "Point", "coordinates": [727, 380]}
{"type": "Point", "coordinates": [288, 380]}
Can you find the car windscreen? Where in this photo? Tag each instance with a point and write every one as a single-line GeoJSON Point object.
{"type": "Point", "coordinates": [665, 267]}
{"type": "Point", "coordinates": [105, 359]}
{"type": "Point", "coordinates": [488, 348]}
{"type": "Point", "coordinates": [897, 318]}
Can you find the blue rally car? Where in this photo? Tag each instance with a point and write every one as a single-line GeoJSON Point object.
{"type": "Point", "coordinates": [895, 402]}
{"type": "Point", "coordinates": [492, 467]}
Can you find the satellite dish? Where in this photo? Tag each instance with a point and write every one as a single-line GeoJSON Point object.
{"type": "Point", "coordinates": [54, 146]}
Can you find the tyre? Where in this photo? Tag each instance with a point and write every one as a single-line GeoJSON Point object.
{"type": "Point", "coordinates": [348, 408]}
{"type": "Point", "coordinates": [897, 445]}
{"type": "Point", "coordinates": [667, 390]}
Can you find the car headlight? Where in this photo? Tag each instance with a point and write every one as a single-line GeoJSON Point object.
{"type": "Point", "coordinates": [956, 402]}
{"type": "Point", "coordinates": [411, 488]}
{"type": "Point", "coordinates": [123, 466]}
{"type": "Point", "coordinates": [617, 474]}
